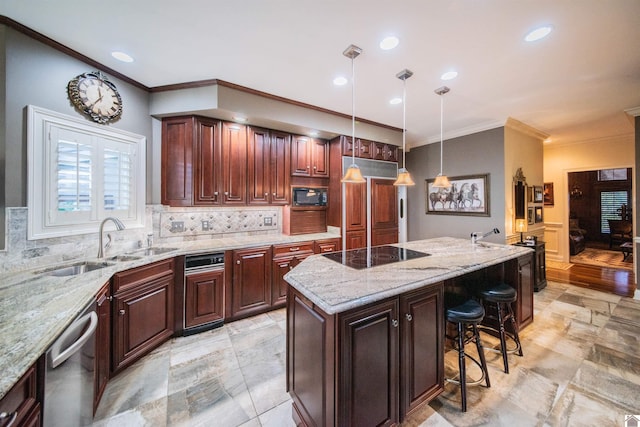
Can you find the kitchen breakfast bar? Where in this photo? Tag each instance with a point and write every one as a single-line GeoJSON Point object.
{"type": "Point", "coordinates": [366, 328]}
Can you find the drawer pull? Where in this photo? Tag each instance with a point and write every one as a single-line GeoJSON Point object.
{"type": "Point", "coordinates": [409, 317]}
{"type": "Point", "coordinates": [327, 249]}
{"type": "Point", "coordinates": [122, 312]}
{"type": "Point", "coordinates": [394, 322]}
{"type": "Point", "coordinates": [294, 249]}
{"type": "Point", "coordinates": [5, 415]}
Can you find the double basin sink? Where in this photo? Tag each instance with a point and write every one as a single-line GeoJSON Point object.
{"type": "Point", "coordinates": [87, 266]}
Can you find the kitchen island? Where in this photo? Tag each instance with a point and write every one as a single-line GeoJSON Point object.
{"type": "Point", "coordinates": [365, 346]}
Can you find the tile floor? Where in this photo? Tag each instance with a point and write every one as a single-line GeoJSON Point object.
{"type": "Point", "coordinates": [581, 367]}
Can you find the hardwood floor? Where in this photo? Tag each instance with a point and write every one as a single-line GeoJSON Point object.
{"type": "Point", "coordinates": [616, 281]}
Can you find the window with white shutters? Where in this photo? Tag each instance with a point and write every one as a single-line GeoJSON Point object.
{"type": "Point", "coordinates": [610, 207]}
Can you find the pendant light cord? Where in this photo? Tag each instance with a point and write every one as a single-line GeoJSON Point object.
{"type": "Point", "coordinates": [353, 111]}
{"type": "Point", "coordinates": [441, 121]}
{"type": "Point", "coordinates": [404, 122]}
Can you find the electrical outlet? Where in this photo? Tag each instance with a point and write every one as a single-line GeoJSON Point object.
{"type": "Point", "coordinates": [205, 225]}
{"type": "Point", "coordinates": [177, 226]}
{"type": "Point", "coordinates": [267, 220]}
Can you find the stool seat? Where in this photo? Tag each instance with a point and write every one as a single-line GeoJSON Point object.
{"type": "Point", "coordinates": [500, 293]}
{"type": "Point", "coordinates": [469, 312]}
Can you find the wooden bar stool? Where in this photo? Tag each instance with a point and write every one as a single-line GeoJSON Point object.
{"type": "Point", "coordinates": [466, 317]}
{"type": "Point", "coordinates": [499, 299]}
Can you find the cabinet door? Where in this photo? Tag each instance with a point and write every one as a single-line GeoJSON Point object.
{"type": "Point", "coordinates": [366, 149]}
{"type": "Point", "coordinates": [203, 298]}
{"type": "Point", "coordinates": [524, 305]}
{"type": "Point", "coordinates": [234, 164]}
{"type": "Point", "coordinates": [103, 344]}
{"type": "Point", "coordinates": [384, 236]}
{"type": "Point", "coordinates": [280, 167]}
{"type": "Point", "coordinates": [22, 399]}
{"type": "Point", "coordinates": [177, 161]}
{"type": "Point", "coordinates": [356, 239]}
{"type": "Point", "coordinates": [421, 346]}
{"type": "Point", "coordinates": [356, 199]}
{"type": "Point", "coordinates": [384, 204]}
{"type": "Point", "coordinates": [251, 289]}
{"type": "Point", "coordinates": [207, 160]}
{"type": "Point", "coordinates": [326, 246]}
{"type": "Point", "coordinates": [143, 319]}
{"type": "Point", "coordinates": [280, 267]}
{"type": "Point", "coordinates": [368, 367]}
{"type": "Point", "coordinates": [320, 158]}
{"type": "Point", "coordinates": [259, 165]}
{"type": "Point", "coordinates": [300, 156]}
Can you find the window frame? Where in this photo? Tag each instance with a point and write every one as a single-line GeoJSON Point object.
{"type": "Point", "coordinates": [44, 220]}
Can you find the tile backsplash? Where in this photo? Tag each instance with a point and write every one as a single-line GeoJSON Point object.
{"type": "Point", "coordinates": [168, 225]}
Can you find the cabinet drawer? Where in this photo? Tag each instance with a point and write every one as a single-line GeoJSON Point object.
{"type": "Point", "coordinates": [140, 275]}
{"type": "Point", "coordinates": [289, 249]}
{"type": "Point", "coordinates": [21, 399]}
{"type": "Point", "coordinates": [326, 246]}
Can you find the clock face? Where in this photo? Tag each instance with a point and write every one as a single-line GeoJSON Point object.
{"type": "Point", "coordinates": [95, 96]}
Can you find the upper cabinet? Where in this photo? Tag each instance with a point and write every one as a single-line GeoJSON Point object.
{"type": "Point", "coordinates": [366, 149]}
{"type": "Point", "coordinates": [309, 157]}
{"type": "Point", "coordinates": [177, 161]}
{"type": "Point", "coordinates": [207, 161]}
{"type": "Point", "coordinates": [234, 164]}
{"type": "Point", "coordinates": [268, 168]}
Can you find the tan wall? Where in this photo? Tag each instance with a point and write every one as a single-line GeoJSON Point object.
{"type": "Point", "coordinates": [616, 152]}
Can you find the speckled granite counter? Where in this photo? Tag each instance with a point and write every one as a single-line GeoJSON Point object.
{"type": "Point", "coordinates": [35, 309]}
{"type": "Point", "coordinates": [335, 288]}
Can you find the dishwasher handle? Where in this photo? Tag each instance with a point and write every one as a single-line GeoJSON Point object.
{"type": "Point", "coordinates": [59, 355]}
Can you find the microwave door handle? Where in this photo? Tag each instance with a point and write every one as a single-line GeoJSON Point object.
{"type": "Point", "coordinates": [59, 355]}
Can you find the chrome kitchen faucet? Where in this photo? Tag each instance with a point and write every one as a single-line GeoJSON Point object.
{"type": "Point", "coordinates": [119, 226]}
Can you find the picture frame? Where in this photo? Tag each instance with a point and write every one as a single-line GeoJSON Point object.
{"type": "Point", "coordinates": [530, 216]}
{"type": "Point", "coordinates": [468, 195]}
{"type": "Point", "coordinates": [539, 217]}
{"type": "Point", "coordinates": [530, 194]}
{"type": "Point", "coordinates": [538, 194]}
{"type": "Point", "coordinates": [548, 194]}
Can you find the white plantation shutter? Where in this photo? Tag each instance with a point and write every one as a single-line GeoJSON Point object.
{"type": "Point", "coordinates": [73, 176]}
{"type": "Point", "coordinates": [610, 203]}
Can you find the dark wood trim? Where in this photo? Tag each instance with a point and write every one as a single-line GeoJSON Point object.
{"type": "Point", "coordinates": [68, 51]}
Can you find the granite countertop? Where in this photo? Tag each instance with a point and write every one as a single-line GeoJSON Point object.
{"type": "Point", "coordinates": [335, 288]}
{"type": "Point", "coordinates": [35, 308]}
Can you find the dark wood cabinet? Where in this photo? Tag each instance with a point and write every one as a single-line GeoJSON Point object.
{"type": "Point", "coordinates": [251, 283]}
{"type": "Point", "coordinates": [207, 162]}
{"type": "Point", "coordinates": [234, 164]}
{"type": "Point", "coordinates": [384, 212]}
{"type": "Point", "coordinates": [103, 344]}
{"type": "Point", "coordinates": [204, 298]}
{"type": "Point", "coordinates": [356, 197]}
{"type": "Point", "coordinates": [142, 311]}
{"type": "Point", "coordinates": [401, 339]}
{"type": "Point", "coordinates": [356, 239]}
{"type": "Point", "coordinates": [539, 265]}
{"type": "Point", "coordinates": [22, 403]}
{"type": "Point", "coordinates": [177, 161]}
{"type": "Point", "coordinates": [327, 245]}
{"type": "Point", "coordinates": [269, 167]}
{"type": "Point", "coordinates": [285, 257]}
{"type": "Point", "coordinates": [309, 157]}
{"type": "Point", "coordinates": [525, 285]}
{"type": "Point", "coordinates": [304, 220]}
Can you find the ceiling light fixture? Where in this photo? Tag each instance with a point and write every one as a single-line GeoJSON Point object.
{"type": "Point", "coordinates": [121, 56]}
{"type": "Point", "coordinates": [389, 43]}
{"type": "Point", "coordinates": [449, 75]}
{"type": "Point", "coordinates": [441, 180]}
{"type": "Point", "coordinates": [395, 101]}
{"type": "Point", "coordinates": [353, 174]}
{"type": "Point", "coordinates": [404, 177]}
{"type": "Point", "coordinates": [340, 81]}
{"type": "Point", "coordinates": [538, 33]}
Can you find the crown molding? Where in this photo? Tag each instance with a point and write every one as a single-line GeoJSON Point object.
{"type": "Point", "coordinates": [456, 133]}
{"type": "Point", "coordinates": [635, 112]}
{"type": "Point", "coordinates": [525, 128]}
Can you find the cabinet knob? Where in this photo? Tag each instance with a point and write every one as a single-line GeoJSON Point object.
{"type": "Point", "coordinates": [273, 194]}
{"type": "Point", "coordinates": [394, 322]}
{"type": "Point", "coordinates": [121, 312]}
{"type": "Point", "coordinates": [315, 167]}
{"type": "Point", "coordinates": [215, 193]}
{"type": "Point", "coordinates": [266, 194]}
{"type": "Point", "coordinates": [226, 193]}
{"type": "Point", "coordinates": [308, 167]}
{"type": "Point", "coordinates": [409, 317]}
{"type": "Point", "coordinates": [238, 262]}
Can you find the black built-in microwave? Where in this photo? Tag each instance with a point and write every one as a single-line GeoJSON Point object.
{"type": "Point", "coordinates": [309, 196]}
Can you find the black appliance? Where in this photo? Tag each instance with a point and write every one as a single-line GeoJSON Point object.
{"type": "Point", "coordinates": [378, 255]}
{"type": "Point", "coordinates": [309, 196]}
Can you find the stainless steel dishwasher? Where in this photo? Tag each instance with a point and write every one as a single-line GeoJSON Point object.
{"type": "Point", "coordinates": [69, 377]}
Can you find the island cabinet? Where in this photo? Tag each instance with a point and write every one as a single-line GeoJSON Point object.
{"type": "Point", "coordinates": [269, 164]}
{"type": "Point", "coordinates": [370, 365]}
{"type": "Point", "coordinates": [250, 291]}
{"type": "Point", "coordinates": [525, 283]}
{"type": "Point", "coordinates": [309, 157]}
{"type": "Point", "coordinates": [285, 257]}
{"type": "Point", "coordinates": [143, 311]}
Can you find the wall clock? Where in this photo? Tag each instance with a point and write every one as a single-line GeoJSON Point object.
{"type": "Point", "coordinates": [94, 95]}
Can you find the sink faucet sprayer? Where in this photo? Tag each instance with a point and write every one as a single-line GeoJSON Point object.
{"type": "Point", "coordinates": [477, 236]}
{"type": "Point", "coordinates": [119, 226]}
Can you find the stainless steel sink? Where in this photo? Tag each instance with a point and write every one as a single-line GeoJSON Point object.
{"type": "Point", "coordinates": [124, 258]}
{"type": "Point", "coordinates": [154, 251]}
{"type": "Point", "coordinates": [75, 269]}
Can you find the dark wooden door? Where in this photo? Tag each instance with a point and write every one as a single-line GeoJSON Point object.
{"type": "Point", "coordinates": [356, 200]}
{"type": "Point", "coordinates": [384, 204]}
{"type": "Point", "coordinates": [320, 158]}
{"type": "Point", "coordinates": [234, 164]}
{"type": "Point", "coordinates": [177, 161]}
{"type": "Point", "coordinates": [203, 298]}
{"type": "Point", "coordinates": [207, 160]}
{"type": "Point", "coordinates": [259, 165]}
{"type": "Point", "coordinates": [251, 289]}
{"type": "Point", "coordinates": [300, 156]}
{"type": "Point", "coordinates": [421, 346]}
{"type": "Point", "coordinates": [280, 168]}
{"type": "Point", "coordinates": [368, 368]}
{"type": "Point", "coordinates": [281, 266]}
{"type": "Point", "coordinates": [103, 344]}
{"type": "Point", "coordinates": [525, 283]}
{"type": "Point", "coordinates": [356, 239]}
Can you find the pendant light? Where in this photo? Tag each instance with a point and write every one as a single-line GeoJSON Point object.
{"type": "Point", "coordinates": [441, 180]}
{"type": "Point", "coordinates": [353, 174]}
{"type": "Point", "coordinates": [404, 177]}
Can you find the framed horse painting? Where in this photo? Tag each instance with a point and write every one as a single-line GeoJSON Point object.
{"type": "Point", "coordinates": [467, 195]}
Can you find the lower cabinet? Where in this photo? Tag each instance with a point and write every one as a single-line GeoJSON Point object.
{"type": "Point", "coordinates": [251, 283]}
{"type": "Point", "coordinates": [285, 257]}
{"type": "Point", "coordinates": [143, 311]}
{"type": "Point", "coordinates": [525, 286]}
{"type": "Point", "coordinates": [204, 302]}
{"type": "Point", "coordinates": [22, 405]}
{"type": "Point", "coordinates": [356, 239]}
{"type": "Point", "coordinates": [327, 245]}
{"type": "Point", "coordinates": [103, 344]}
{"type": "Point", "coordinates": [389, 358]}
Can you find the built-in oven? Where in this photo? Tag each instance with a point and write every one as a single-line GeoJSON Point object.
{"type": "Point", "coordinates": [203, 292]}
{"type": "Point", "coordinates": [69, 376]}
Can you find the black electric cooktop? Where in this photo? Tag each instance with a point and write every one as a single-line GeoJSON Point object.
{"type": "Point", "coordinates": [378, 255]}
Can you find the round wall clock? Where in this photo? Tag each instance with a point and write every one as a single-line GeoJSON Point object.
{"type": "Point", "coordinates": [94, 95]}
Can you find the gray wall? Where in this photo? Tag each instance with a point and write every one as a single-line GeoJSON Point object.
{"type": "Point", "coordinates": [37, 74]}
{"type": "Point", "coordinates": [479, 153]}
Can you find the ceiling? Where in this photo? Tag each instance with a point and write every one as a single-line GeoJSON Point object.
{"type": "Point", "coordinates": [574, 85]}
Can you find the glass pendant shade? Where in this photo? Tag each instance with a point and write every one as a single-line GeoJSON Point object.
{"type": "Point", "coordinates": [353, 175]}
{"type": "Point", "coordinates": [441, 181]}
{"type": "Point", "coordinates": [404, 178]}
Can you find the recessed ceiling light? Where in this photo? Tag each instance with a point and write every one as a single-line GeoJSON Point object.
{"type": "Point", "coordinates": [389, 42]}
{"type": "Point", "coordinates": [121, 56]}
{"type": "Point", "coordinates": [395, 101]}
{"type": "Point", "coordinates": [340, 81]}
{"type": "Point", "coordinates": [538, 33]}
{"type": "Point", "coordinates": [449, 75]}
